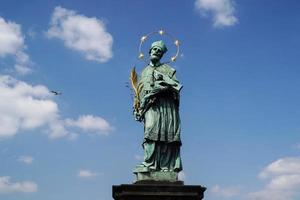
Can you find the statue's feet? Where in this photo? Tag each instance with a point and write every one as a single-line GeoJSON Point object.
{"type": "Point", "coordinates": [165, 169]}
{"type": "Point", "coordinates": [157, 176]}
{"type": "Point", "coordinates": [141, 168]}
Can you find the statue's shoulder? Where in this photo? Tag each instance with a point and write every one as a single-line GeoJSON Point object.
{"type": "Point", "coordinates": [146, 70]}
{"type": "Point", "coordinates": [163, 68]}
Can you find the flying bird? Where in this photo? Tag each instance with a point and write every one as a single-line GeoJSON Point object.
{"type": "Point", "coordinates": [56, 92]}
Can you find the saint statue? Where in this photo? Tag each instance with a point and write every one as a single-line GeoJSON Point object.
{"type": "Point", "coordinates": [157, 106]}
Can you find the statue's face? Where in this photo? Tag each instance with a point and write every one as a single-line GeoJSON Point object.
{"type": "Point", "coordinates": [156, 53]}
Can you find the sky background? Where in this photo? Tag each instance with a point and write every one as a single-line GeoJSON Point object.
{"type": "Point", "coordinates": [239, 63]}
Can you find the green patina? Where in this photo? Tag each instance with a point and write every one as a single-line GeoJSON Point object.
{"type": "Point", "coordinates": [159, 111]}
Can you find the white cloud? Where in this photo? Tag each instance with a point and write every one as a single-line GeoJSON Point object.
{"type": "Point", "coordinates": [283, 180]}
{"type": "Point", "coordinates": [289, 165]}
{"type": "Point", "coordinates": [22, 63]}
{"type": "Point", "coordinates": [7, 187]}
{"type": "Point", "coordinates": [23, 106]}
{"type": "Point", "coordinates": [83, 34]}
{"type": "Point", "coordinates": [11, 38]}
{"type": "Point", "coordinates": [12, 44]}
{"type": "Point", "coordinates": [222, 11]}
{"type": "Point", "coordinates": [26, 159]}
{"type": "Point", "coordinates": [83, 173]}
{"type": "Point", "coordinates": [27, 107]}
{"type": "Point", "coordinates": [57, 129]}
{"type": "Point", "coordinates": [91, 123]}
{"type": "Point", "coordinates": [225, 192]}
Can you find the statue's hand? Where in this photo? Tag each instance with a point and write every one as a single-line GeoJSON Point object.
{"type": "Point", "coordinates": [145, 100]}
{"type": "Point", "coordinates": [137, 115]}
{"type": "Point", "coordinates": [158, 77]}
{"type": "Point", "coordinates": [160, 86]}
{"type": "Point", "coordinates": [166, 82]}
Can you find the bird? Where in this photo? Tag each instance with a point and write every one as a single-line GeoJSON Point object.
{"type": "Point", "coordinates": [56, 92]}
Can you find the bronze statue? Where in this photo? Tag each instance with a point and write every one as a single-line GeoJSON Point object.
{"type": "Point", "coordinates": [157, 106]}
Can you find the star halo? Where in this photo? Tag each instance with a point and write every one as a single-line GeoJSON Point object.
{"type": "Point", "coordinates": [161, 32]}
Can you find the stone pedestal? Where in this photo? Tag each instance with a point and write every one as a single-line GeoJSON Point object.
{"type": "Point", "coordinates": [156, 176]}
{"type": "Point", "coordinates": [157, 190]}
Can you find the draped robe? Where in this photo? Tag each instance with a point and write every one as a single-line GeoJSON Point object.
{"type": "Point", "coordinates": [160, 106]}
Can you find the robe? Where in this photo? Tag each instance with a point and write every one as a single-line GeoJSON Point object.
{"type": "Point", "coordinates": [159, 99]}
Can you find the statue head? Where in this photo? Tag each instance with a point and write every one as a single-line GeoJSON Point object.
{"type": "Point", "coordinates": [157, 50]}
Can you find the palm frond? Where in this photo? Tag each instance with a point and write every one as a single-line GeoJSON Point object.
{"type": "Point", "coordinates": [134, 84]}
{"type": "Point", "coordinates": [134, 81]}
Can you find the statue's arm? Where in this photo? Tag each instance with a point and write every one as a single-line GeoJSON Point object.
{"type": "Point", "coordinates": [176, 94]}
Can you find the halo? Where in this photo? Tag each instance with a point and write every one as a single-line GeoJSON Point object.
{"type": "Point", "coordinates": [162, 33]}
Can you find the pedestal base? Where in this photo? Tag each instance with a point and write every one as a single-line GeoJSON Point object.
{"type": "Point", "coordinates": [156, 190]}
{"type": "Point", "coordinates": [157, 176]}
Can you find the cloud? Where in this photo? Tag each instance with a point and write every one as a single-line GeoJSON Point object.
{"type": "Point", "coordinates": [57, 129]}
{"type": "Point", "coordinates": [225, 192]}
{"type": "Point", "coordinates": [289, 165]}
{"type": "Point", "coordinates": [27, 107]}
{"type": "Point", "coordinates": [11, 38]}
{"type": "Point", "coordinates": [283, 180]}
{"type": "Point", "coordinates": [12, 44]}
{"type": "Point", "coordinates": [83, 173]}
{"type": "Point", "coordinates": [83, 34]}
{"type": "Point", "coordinates": [91, 123]}
{"type": "Point", "coordinates": [26, 159]}
{"type": "Point", "coordinates": [7, 187]}
{"type": "Point", "coordinates": [23, 106]}
{"type": "Point", "coordinates": [22, 63]}
{"type": "Point", "coordinates": [222, 11]}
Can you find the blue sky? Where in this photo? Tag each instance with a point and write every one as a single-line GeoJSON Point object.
{"type": "Point", "coordinates": [239, 64]}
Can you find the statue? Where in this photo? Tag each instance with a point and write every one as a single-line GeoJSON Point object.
{"type": "Point", "coordinates": [156, 104]}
